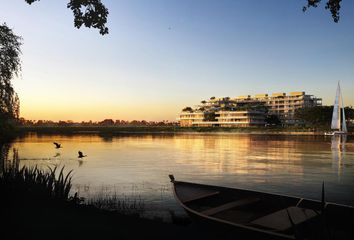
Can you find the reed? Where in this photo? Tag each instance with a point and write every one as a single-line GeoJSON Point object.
{"type": "Point", "coordinates": [34, 184]}
{"type": "Point", "coordinates": [122, 204]}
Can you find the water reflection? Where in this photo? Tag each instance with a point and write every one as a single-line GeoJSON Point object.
{"type": "Point", "coordinates": [240, 155]}
{"type": "Point", "coordinates": [4, 150]}
{"type": "Point", "coordinates": [9, 157]}
{"type": "Point", "coordinates": [294, 165]}
{"type": "Point", "coordinates": [80, 162]}
{"type": "Point", "coordinates": [56, 155]}
{"type": "Point", "coordinates": [338, 143]}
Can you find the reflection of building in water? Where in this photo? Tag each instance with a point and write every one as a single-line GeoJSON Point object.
{"type": "Point", "coordinates": [240, 154]}
{"type": "Point", "coordinates": [338, 143]}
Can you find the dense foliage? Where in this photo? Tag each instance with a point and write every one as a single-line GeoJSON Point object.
{"type": "Point", "coordinates": [272, 120]}
{"type": "Point", "coordinates": [90, 13]}
{"type": "Point", "coordinates": [316, 116]}
{"type": "Point", "coordinates": [209, 116]}
{"type": "Point", "coordinates": [187, 109]}
{"type": "Point", "coordinates": [10, 66]}
{"type": "Point", "coordinates": [321, 116]}
{"type": "Point", "coordinates": [332, 5]}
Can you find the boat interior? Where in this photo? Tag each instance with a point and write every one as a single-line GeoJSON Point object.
{"type": "Point", "coordinates": [264, 211]}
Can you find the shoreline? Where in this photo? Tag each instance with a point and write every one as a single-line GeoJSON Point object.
{"type": "Point", "coordinates": [116, 130]}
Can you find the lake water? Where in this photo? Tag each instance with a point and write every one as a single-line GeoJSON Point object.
{"type": "Point", "coordinates": [137, 165]}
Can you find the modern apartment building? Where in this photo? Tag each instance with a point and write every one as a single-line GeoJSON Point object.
{"type": "Point", "coordinates": [283, 105]}
{"type": "Point", "coordinates": [245, 111]}
{"type": "Point", "coordinates": [245, 118]}
{"type": "Point", "coordinates": [235, 118]}
{"type": "Point", "coordinates": [188, 119]}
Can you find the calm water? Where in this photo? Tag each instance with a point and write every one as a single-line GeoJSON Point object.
{"type": "Point", "coordinates": [138, 165]}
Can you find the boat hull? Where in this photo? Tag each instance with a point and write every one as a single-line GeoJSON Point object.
{"type": "Point", "coordinates": [335, 133]}
{"type": "Point", "coordinates": [230, 231]}
{"type": "Point", "coordinates": [236, 211]}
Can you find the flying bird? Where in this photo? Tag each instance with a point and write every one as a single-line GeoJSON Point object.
{"type": "Point", "coordinates": [81, 155]}
{"type": "Point", "coordinates": [57, 145]}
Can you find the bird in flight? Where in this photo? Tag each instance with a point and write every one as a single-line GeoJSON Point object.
{"type": "Point", "coordinates": [57, 145]}
{"type": "Point", "coordinates": [81, 155]}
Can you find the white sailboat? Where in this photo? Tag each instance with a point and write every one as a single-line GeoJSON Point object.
{"type": "Point", "coordinates": [338, 124]}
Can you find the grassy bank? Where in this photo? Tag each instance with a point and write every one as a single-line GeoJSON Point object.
{"type": "Point", "coordinates": [35, 204]}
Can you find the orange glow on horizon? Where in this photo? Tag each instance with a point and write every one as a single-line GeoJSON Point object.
{"type": "Point", "coordinates": [98, 113]}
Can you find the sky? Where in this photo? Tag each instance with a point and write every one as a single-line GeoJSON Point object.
{"type": "Point", "coordinates": [163, 55]}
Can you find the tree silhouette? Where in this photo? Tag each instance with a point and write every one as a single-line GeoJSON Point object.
{"type": "Point", "coordinates": [10, 65]}
{"type": "Point", "coordinates": [272, 120]}
{"type": "Point", "coordinates": [187, 109]}
{"type": "Point", "coordinates": [93, 13]}
{"type": "Point", "coordinates": [332, 5]}
{"type": "Point", "coordinates": [209, 116]}
{"type": "Point", "coordinates": [319, 116]}
{"type": "Point", "coordinates": [90, 13]}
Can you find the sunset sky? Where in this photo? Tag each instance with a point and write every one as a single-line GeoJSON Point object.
{"type": "Point", "coordinates": [163, 55]}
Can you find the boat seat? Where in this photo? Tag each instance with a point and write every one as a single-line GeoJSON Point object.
{"type": "Point", "coordinates": [197, 197]}
{"type": "Point", "coordinates": [280, 220]}
{"type": "Point", "coordinates": [229, 205]}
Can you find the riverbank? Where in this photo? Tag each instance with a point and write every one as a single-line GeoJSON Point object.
{"type": "Point", "coordinates": [87, 222]}
{"type": "Point", "coordinates": [35, 204]}
{"type": "Point", "coordinates": [170, 129]}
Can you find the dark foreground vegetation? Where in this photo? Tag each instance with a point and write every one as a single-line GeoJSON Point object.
{"type": "Point", "coordinates": [36, 204]}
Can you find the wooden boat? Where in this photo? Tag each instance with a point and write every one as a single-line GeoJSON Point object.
{"type": "Point", "coordinates": [265, 215]}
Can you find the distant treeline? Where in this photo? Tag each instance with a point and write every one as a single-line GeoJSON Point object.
{"type": "Point", "coordinates": [105, 122]}
{"type": "Point", "coordinates": [321, 116]}
{"type": "Point", "coordinates": [316, 117]}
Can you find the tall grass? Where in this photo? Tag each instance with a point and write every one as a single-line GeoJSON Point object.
{"type": "Point", "coordinates": [122, 204]}
{"type": "Point", "coordinates": [33, 183]}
